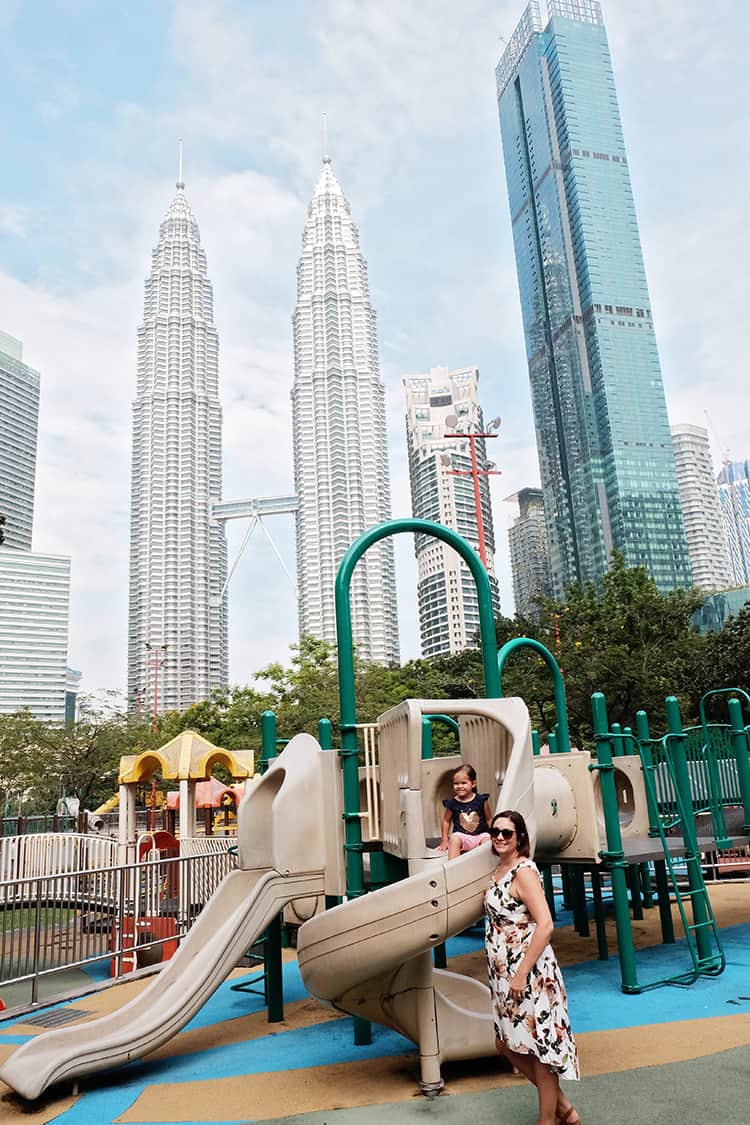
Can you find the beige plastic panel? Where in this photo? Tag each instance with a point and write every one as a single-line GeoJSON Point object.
{"type": "Point", "coordinates": [631, 798]}
{"type": "Point", "coordinates": [291, 818]}
{"type": "Point", "coordinates": [399, 755]}
{"type": "Point", "coordinates": [437, 785]}
{"type": "Point", "coordinates": [495, 737]}
{"type": "Point", "coordinates": [565, 806]}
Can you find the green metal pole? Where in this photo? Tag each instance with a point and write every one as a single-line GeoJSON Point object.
{"type": "Point", "coordinates": [618, 746]}
{"type": "Point", "coordinates": [739, 745]}
{"type": "Point", "coordinates": [614, 855]}
{"type": "Point", "coordinates": [267, 739]}
{"type": "Point", "coordinates": [325, 734]}
{"type": "Point", "coordinates": [536, 748]}
{"type": "Point", "coordinates": [273, 970]}
{"type": "Point", "coordinates": [675, 742]}
{"type": "Point", "coordinates": [552, 743]}
{"type": "Point", "coordinates": [647, 759]}
{"type": "Point", "coordinates": [561, 708]}
{"type": "Point", "coordinates": [427, 749]}
{"type": "Point", "coordinates": [272, 966]}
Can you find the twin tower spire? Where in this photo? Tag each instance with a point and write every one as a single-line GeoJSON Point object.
{"type": "Point", "coordinates": [177, 634]}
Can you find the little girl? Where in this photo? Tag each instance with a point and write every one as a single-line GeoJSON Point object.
{"type": "Point", "coordinates": [467, 812]}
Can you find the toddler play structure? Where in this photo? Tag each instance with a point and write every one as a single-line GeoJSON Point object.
{"type": "Point", "coordinates": [373, 954]}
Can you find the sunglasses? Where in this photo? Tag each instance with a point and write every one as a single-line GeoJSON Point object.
{"type": "Point", "coordinates": [506, 833]}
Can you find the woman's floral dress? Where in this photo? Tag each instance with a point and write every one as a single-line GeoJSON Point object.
{"type": "Point", "coordinates": [537, 1024]}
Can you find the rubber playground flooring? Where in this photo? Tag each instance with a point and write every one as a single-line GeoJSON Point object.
{"type": "Point", "coordinates": [670, 1055]}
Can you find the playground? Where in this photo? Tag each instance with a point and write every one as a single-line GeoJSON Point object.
{"type": "Point", "coordinates": [339, 849]}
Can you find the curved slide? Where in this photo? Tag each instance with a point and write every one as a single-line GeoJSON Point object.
{"type": "Point", "coordinates": [372, 956]}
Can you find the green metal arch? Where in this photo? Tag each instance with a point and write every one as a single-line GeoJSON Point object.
{"type": "Point", "coordinates": [345, 644]}
{"type": "Point", "coordinates": [561, 707]}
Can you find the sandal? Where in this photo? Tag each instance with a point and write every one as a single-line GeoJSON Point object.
{"type": "Point", "coordinates": [566, 1118]}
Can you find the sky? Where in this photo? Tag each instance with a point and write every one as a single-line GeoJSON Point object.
{"type": "Point", "coordinates": [95, 97]}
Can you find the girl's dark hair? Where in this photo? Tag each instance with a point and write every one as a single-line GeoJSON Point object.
{"type": "Point", "coordinates": [523, 845]}
{"type": "Point", "coordinates": [470, 772]}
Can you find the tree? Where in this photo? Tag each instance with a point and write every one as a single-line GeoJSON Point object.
{"type": "Point", "coordinates": [725, 662]}
{"type": "Point", "coordinates": [627, 640]}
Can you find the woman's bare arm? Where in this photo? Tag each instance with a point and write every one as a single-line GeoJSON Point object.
{"type": "Point", "coordinates": [527, 888]}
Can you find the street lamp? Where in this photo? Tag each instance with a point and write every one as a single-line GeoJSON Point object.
{"type": "Point", "coordinates": [474, 472]}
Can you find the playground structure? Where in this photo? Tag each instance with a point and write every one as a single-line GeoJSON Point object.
{"type": "Point", "coordinates": [374, 954]}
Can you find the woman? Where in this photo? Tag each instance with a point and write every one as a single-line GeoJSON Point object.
{"type": "Point", "coordinates": [528, 995]}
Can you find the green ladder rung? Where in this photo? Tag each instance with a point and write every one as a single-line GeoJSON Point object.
{"type": "Point", "coordinates": [700, 925]}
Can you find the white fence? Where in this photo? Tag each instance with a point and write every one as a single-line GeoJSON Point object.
{"type": "Point", "coordinates": [24, 859]}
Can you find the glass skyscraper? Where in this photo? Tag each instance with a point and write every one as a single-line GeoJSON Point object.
{"type": "Point", "coordinates": [734, 495]}
{"type": "Point", "coordinates": [605, 450]}
{"type": "Point", "coordinates": [19, 421]}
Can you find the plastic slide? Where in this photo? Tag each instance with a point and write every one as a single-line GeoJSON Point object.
{"type": "Point", "coordinates": [372, 957]}
{"type": "Point", "coordinates": [282, 858]}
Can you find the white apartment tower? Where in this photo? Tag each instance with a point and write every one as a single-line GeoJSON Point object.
{"type": "Point", "coordinates": [529, 552]}
{"type": "Point", "coordinates": [340, 447]}
{"type": "Point", "coordinates": [699, 496]}
{"type": "Point", "coordinates": [438, 403]}
{"type": "Point", "coordinates": [177, 632]}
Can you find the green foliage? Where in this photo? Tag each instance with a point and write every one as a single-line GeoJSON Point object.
{"type": "Point", "coordinates": [39, 762]}
{"type": "Point", "coordinates": [623, 638]}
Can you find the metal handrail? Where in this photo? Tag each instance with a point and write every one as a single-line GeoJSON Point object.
{"type": "Point", "coordinates": [124, 914]}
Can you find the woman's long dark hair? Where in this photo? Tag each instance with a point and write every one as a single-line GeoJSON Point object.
{"type": "Point", "coordinates": [523, 845]}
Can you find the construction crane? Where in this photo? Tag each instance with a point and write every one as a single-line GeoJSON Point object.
{"type": "Point", "coordinates": [723, 449]}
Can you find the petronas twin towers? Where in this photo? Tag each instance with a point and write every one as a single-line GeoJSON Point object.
{"type": "Point", "coordinates": [177, 635]}
{"type": "Point", "coordinates": [340, 447]}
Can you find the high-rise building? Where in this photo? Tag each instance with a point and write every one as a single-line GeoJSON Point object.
{"type": "Point", "coordinates": [734, 496]}
{"type": "Point", "coordinates": [34, 602]}
{"type": "Point", "coordinates": [605, 452]}
{"type": "Point", "coordinates": [437, 403]}
{"type": "Point", "coordinates": [19, 420]}
{"type": "Point", "coordinates": [177, 632]}
{"type": "Point", "coordinates": [529, 554]}
{"type": "Point", "coordinates": [701, 510]}
{"type": "Point", "coordinates": [340, 447]}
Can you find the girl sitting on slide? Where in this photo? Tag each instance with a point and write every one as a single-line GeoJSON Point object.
{"type": "Point", "coordinates": [467, 813]}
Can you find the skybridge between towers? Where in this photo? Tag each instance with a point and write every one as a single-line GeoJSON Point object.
{"type": "Point", "coordinates": [254, 510]}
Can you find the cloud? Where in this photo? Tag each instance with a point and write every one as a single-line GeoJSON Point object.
{"type": "Point", "coordinates": [14, 219]}
{"type": "Point", "coordinates": [409, 93]}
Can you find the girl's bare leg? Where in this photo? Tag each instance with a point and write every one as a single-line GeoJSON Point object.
{"type": "Point", "coordinates": [454, 847]}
